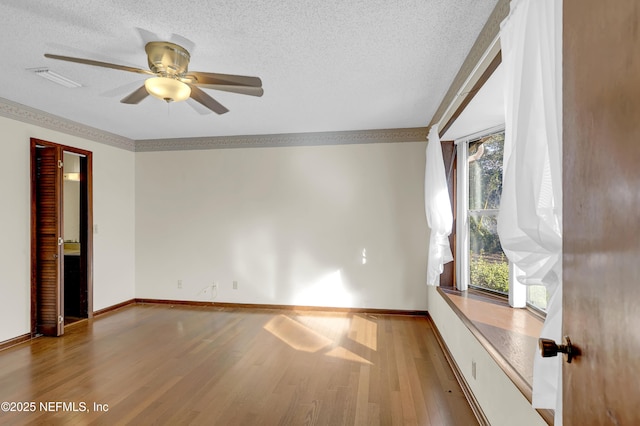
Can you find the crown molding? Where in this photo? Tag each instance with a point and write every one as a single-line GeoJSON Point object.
{"type": "Point", "coordinates": [483, 43]}
{"type": "Point", "coordinates": [415, 134]}
{"type": "Point", "coordinates": [36, 117]}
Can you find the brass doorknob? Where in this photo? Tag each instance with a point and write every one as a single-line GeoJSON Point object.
{"type": "Point", "coordinates": [549, 348]}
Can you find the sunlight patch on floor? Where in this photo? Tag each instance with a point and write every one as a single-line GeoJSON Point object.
{"type": "Point", "coordinates": [333, 326]}
{"type": "Point", "coordinates": [343, 353]}
{"type": "Point", "coordinates": [320, 331]}
{"type": "Point", "coordinates": [296, 335]}
{"type": "Point", "coordinates": [364, 331]}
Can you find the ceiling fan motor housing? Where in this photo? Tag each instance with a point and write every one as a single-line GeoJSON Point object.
{"type": "Point", "coordinates": [167, 59]}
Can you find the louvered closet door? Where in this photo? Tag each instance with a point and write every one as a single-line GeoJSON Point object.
{"type": "Point", "coordinates": [50, 321]}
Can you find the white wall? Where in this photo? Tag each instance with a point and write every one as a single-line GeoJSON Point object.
{"type": "Point", "coordinates": [114, 216]}
{"type": "Point", "coordinates": [500, 399]}
{"type": "Point", "coordinates": [288, 224]}
{"type": "Point", "coordinates": [114, 246]}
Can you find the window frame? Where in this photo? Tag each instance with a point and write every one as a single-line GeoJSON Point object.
{"type": "Point", "coordinates": [518, 294]}
{"type": "Point", "coordinates": [462, 207]}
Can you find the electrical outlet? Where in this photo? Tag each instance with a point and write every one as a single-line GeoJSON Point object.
{"type": "Point", "coordinates": [235, 285]}
{"type": "Point", "coordinates": [473, 369]}
{"type": "Point", "coordinates": [179, 283]}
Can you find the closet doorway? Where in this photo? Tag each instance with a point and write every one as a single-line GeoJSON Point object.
{"type": "Point", "coordinates": [61, 237]}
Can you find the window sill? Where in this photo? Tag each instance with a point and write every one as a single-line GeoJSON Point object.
{"type": "Point", "coordinates": [509, 335]}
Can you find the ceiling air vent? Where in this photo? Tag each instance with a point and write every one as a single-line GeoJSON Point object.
{"type": "Point", "coordinates": [55, 77]}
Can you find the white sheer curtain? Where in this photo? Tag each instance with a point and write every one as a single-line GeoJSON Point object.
{"type": "Point", "coordinates": [438, 208]}
{"type": "Point", "coordinates": [530, 217]}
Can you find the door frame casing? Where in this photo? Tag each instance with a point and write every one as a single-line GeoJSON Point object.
{"type": "Point", "coordinates": [86, 224]}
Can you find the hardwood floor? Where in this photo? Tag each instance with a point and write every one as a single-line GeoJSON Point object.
{"type": "Point", "coordinates": [160, 364]}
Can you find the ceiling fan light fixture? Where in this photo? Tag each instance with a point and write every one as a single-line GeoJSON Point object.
{"type": "Point", "coordinates": [168, 89]}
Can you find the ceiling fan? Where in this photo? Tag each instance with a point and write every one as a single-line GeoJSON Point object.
{"type": "Point", "coordinates": [172, 81]}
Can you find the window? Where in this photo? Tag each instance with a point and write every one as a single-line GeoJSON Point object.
{"type": "Point", "coordinates": [488, 265]}
{"type": "Point", "coordinates": [537, 297]}
{"type": "Point", "coordinates": [481, 262]}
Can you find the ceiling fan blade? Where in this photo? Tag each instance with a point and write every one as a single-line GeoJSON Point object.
{"type": "Point", "coordinates": [136, 96]}
{"type": "Point", "coordinates": [224, 79]}
{"type": "Point", "coordinates": [207, 100]}
{"type": "Point", "coordinates": [183, 42]}
{"type": "Point", "coordinates": [98, 63]}
{"type": "Point", "coordinates": [147, 36]}
{"type": "Point", "coordinates": [243, 90]}
{"type": "Point", "coordinates": [198, 107]}
{"type": "Point", "coordinates": [120, 90]}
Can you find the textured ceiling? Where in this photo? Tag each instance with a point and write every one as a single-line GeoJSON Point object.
{"type": "Point", "coordinates": [325, 66]}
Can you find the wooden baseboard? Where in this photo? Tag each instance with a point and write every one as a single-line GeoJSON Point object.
{"type": "Point", "coordinates": [281, 307]}
{"type": "Point", "coordinates": [172, 302]}
{"type": "Point", "coordinates": [15, 341]}
{"type": "Point", "coordinates": [473, 402]}
{"type": "Point", "coordinates": [114, 307]}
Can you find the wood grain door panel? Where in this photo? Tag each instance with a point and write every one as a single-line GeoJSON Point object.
{"type": "Point", "coordinates": [601, 186]}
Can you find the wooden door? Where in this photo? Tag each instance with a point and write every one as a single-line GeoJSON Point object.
{"type": "Point", "coordinates": [601, 181]}
{"type": "Point", "coordinates": [48, 240]}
